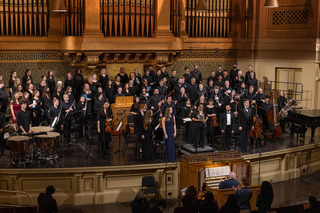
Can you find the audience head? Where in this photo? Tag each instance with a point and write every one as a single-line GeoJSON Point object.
{"type": "Point", "coordinates": [266, 191]}
{"type": "Point", "coordinates": [139, 196]}
{"type": "Point", "coordinates": [50, 190]}
{"type": "Point", "coordinates": [162, 205]}
{"type": "Point", "coordinates": [192, 192]}
{"type": "Point", "coordinates": [208, 197]}
{"type": "Point", "coordinates": [186, 201]}
{"type": "Point", "coordinates": [232, 201]}
{"type": "Point", "coordinates": [245, 181]}
{"type": "Point", "coordinates": [232, 175]}
{"type": "Point", "coordinates": [312, 202]}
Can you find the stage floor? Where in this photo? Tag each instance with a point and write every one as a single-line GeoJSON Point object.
{"type": "Point", "coordinates": [73, 156]}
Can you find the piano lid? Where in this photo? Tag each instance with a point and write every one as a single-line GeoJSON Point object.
{"type": "Point", "coordinates": [307, 113]}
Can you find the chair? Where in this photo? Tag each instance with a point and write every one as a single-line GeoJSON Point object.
{"type": "Point", "coordinates": [130, 120]}
{"type": "Point", "coordinates": [149, 186]}
{"type": "Point", "coordinates": [127, 141]}
{"type": "Point", "coordinates": [130, 136]}
{"type": "Point", "coordinates": [270, 127]}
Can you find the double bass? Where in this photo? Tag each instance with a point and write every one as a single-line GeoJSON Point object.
{"type": "Point", "coordinates": [256, 132]}
{"type": "Point", "coordinates": [273, 117]}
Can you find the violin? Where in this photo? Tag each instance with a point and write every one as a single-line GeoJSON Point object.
{"type": "Point", "coordinates": [108, 125]}
{"type": "Point", "coordinates": [273, 117]}
{"type": "Point", "coordinates": [256, 132]}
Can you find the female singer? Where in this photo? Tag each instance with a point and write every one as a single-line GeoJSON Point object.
{"type": "Point", "coordinates": [98, 102]}
{"type": "Point", "coordinates": [104, 115]}
{"type": "Point", "coordinates": [95, 82]}
{"type": "Point", "coordinates": [88, 96]}
{"type": "Point", "coordinates": [69, 82]}
{"type": "Point", "coordinates": [148, 152]}
{"type": "Point", "coordinates": [202, 101]}
{"type": "Point", "coordinates": [16, 83]}
{"type": "Point", "coordinates": [282, 100]}
{"type": "Point", "coordinates": [50, 82]}
{"type": "Point", "coordinates": [185, 113]}
{"type": "Point", "coordinates": [30, 91]}
{"type": "Point", "coordinates": [69, 92]}
{"type": "Point", "coordinates": [134, 111]}
{"type": "Point", "coordinates": [81, 107]}
{"type": "Point", "coordinates": [46, 101]}
{"type": "Point", "coordinates": [36, 109]}
{"type": "Point", "coordinates": [78, 84]}
{"type": "Point", "coordinates": [13, 76]}
{"type": "Point", "coordinates": [25, 98]}
{"type": "Point", "coordinates": [109, 92]}
{"type": "Point", "coordinates": [126, 90]}
{"type": "Point", "coordinates": [15, 107]}
{"type": "Point", "coordinates": [211, 117]}
{"type": "Point", "coordinates": [57, 94]}
{"type": "Point", "coordinates": [132, 88]}
{"type": "Point", "coordinates": [169, 131]}
{"type": "Point", "coordinates": [197, 127]}
{"type": "Point", "coordinates": [27, 76]}
{"type": "Point", "coordinates": [144, 96]}
{"type": "Point", "coordinates": [103, 78]}
{"type": "Point", "coordinates": [117, 84]}
{"type": "Point", "coordinates": [145, 84]}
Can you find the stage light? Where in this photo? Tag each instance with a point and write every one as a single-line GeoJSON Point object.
{"type": "Point", "coordinates": [202, 6]}
{"type": "Point", "coordinates": [271, 4]}
{"type": "Point", "coordinates": [59, 6]}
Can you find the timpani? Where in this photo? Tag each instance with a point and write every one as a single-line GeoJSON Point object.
{"type": "Point", "coordinates": [19, 147]}
{"type": "Point", "coordinates": [48, 145]}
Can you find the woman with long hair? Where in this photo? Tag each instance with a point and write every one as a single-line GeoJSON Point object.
{"type": "Point", "coordinates": [144, 96]}
{"type": "Point", "coordinates": [134, 111]}
{"type": "Point", "coordinates": [13, 76]}
{"type": "Point", "coordinates": [109, 92]}
{"type": "Point", "coordinates": [15, 107]}
{"type": "Point", "coordinates": [81, 107]}
{"type": "Point", "coordinates": [169, 131]}
{"type": "Point", "coordinates": [117, 84]}
{"type": "Point", "coordinates": [27, 76]}
{"type": "Point", "coordinates": [69, 92]}
{"type": "Point", "coordinates": [104, 116]}
{"type": "Point", "coordinates": [148, 151]}
{"type": "Point", "coordinates": [57, 94]}
{"type": "Point", "coordinates": [46, 101]}
{"type": "Point", "coordinates": [78, 84]}
{"type": "Point", "coordinates": [197, 128]}
{"type": "Point", "coordinates": [103, 78]}
{"type": "Point", "coordinates": [36, 109]}
{"type": "Point", "coordinates": [211, 117]}
{"type": "Point", "coordinates": [25, 98]}
{"type": "Point", "coordinates": [126, 90]}
{"type": "Point", "coordinates": [50, 82]}
{"type": "Point", "coordinates": [88, 96]}
{"type": "Point", "coordinates": [30, 91]}
{"type": "Point", "coordinates": [16, 82]}
{"type": "Point", "coordinates": [265, 198]}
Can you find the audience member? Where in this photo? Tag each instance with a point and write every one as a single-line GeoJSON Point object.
{"type": "Point", "coordinates": [231, 205]}
{"type": "Point", "coordinates": [208, 205]}
{"type": "Point", "coordinates": [265, 198]}
{"type": "Point", "coordinates": [47, 204]}
{"type": "Point", "coordinates": [185, 205]}
{"type": "Point", "coordinates": [159, 208]}
{"type": "Point", "coordinates": [140, 203]}
{"type": "Point", "coordinates": [244, 195]}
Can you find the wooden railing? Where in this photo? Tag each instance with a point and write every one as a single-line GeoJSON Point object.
{"type": "Point", "coordinates": [131, 18]}
{"type": "Point", "coordinates": [73, 19]}
{"type": "Point", "coordinates": [23, 18]}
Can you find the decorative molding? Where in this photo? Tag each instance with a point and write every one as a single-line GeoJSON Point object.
{"type": "Point", "coordinates": [13, 182]}
{"type": "Point", "coordinates": [216, 54]}
{"type": "Point", "coordinates": [78, 178]}
{"type": "Point", "coordinates": [99, 184]}
{"type": "Point", "coordinates": [35, 56]}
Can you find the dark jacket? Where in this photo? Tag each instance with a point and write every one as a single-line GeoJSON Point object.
{"type": "Point", "coordinates": [223, 121]}
{"type": "Point", "coordinates": [263, 206]}
{"type": "Point", "coordinates": [242, 119]}
{"type": "Point", "coordinates": [244, 195]}
{"type": "Point", "coordinates": [227, 184]}
{"type": "Point", "coordinates": [139, 206]}
{"type": "Point", "coordinates": [47, 204]}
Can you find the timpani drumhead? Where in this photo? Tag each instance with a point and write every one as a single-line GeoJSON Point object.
{"type": "Point", "coordinates": [48, 140]}
{"type": "Point", "coordinates": [19, 144]}
{"type": "Point", "coordinates": [40, 129]}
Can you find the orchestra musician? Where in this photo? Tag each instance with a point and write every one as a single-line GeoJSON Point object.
{"type": "Point", "coordinates": [282, 100]}
{"type": "Point", "coordinates": [55, 112]}
{"type": "Point", "coordinates": [245, 123]}
{"type": "Point", "coordinates": [67, 109]}
{"type": "Point", "coordinates": [82, 108]}
{"type": "Point", "coordinates": [148, 151]}
{"type": "Point", "coordinates": [185, 113]}
{"type": "Point", "coordinates": [197, 134]}
{"type": "Point", "coordinates": [104, 115]}
{"type": "Point", "coordinates": [24, 119]}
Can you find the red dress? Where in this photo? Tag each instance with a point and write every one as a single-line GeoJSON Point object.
{"type": "Point", "coordinates": [16, 108]}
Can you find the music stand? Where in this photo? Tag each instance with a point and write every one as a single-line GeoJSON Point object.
{"type": "Point", "coordinates": [118, 130]}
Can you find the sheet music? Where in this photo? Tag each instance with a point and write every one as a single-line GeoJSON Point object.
{"type": "Point", "coordinates": [217, 171]}
{"type": "Point", "coordinates": [187, 119]}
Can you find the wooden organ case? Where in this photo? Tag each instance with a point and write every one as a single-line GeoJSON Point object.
{"type": "Point", "coordinates": [120, 110]}
{"type": "Point", "coordinates": [211, 168]}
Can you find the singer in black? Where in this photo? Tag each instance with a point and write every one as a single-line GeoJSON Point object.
{"type": "Point", "coordinates": [148, 151]}
{"type": "Point", "coordinates": [197, 128]}
{"type": "Point", "coordinates": [55, 112]}
{"type": "Point", "coordinates": [24, 120]}
{"type": "Point", "coordinates": [227, 120]}
{"type": "Point", "coordinates": [67, 109]}
{"type": "Point", "coordinates": [104, 115]}
{"type": "Point", "coordinates": [245, 123]}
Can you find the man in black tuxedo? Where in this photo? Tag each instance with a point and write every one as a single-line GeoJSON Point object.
{"type": "Point", "coordinates": [245, 123]}
{"type": "Point", "coordinates": [227, 120]}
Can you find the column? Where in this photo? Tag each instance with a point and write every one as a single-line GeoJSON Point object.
{"type": "Point", "coordinates": [92, 19]}
{"type": "Point", "coordinates": [163, 18]}
{"type": "Point", "coordinates": [54, 22]}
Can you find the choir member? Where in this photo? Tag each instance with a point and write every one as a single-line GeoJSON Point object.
{"type": "Point", "coordinates": [162, 89]}
{"type": "Point", "coordinates": [51, 82]}
{"type": "Point", "coordinates": [58, 93]}
{"type": "Point", "coordinates": [192, 90]}
{"type": "Point", "coordinates": [158, 77]}
{"type": "Point", "coordinates": [252, 81]}
{"type": "Point", "coordinates": [155, 99]}
{"type": "Point", "coordinates": [227, 121]}
{"type": "Point", "coordinates": [260, 96]}
{"type": "Point", "coordinates": [126, 90]}
{"type": "Point", "coordinates": [36, 109]}
{"type": "Point", "coordinates": [119, 93]}
{"type": "Point", "coordinates": [148, 151]}
{"type": "Point", "coordinates": [138, 76]}
{"type": "Point", "coordinates": [225, 77]}
{"type": "Point", "coordinates": [109, 92]}
{"type": "Point", "coordinates": [185, 113]}
{"type": "Point", "coordinates": [83, 122]}
{"type": "Point", "coordinates": [78, 84]}
{"type": "Point", "coordinates": [13, 76]}
{"type": "Point", "coordinates": [134, 110]}
{"type": "Point", "coordinates": [250, 95]}
{"type": "Point", "coordinates": [104, 115]}
{"type": "Point", "coordinates": [169, 131]}
{"type": "Point", "coordinates": [187, 75]}
{"type": "Point", "coordinates": [117, 84]}
{"type": "Point", "coordinates": [233, 73]}
{"type": "Point", "coordinates": [151, 71]}
{"type": "Point", "coordinates": [149, 78]}
{"type": "Point", "coordinates": [123, 76]}
{"type": "Point", "coordinates": [27, 76]}
{"type": "Point", "coordinates": [173, 79]}
{"type": "Point", "coordinates": [210, 88]}
{"type": "Point", "coordinates": [69, 82]}
{"type": "Point", "coordinates": [134, 89]}
{"type": "Point", "coordinates": [242, 90]}
{"type": "Point", "coordinates": [164, 71]}
{"type": "Point", "coordinates": [217, 97]}
{"type": "Point", "coordinates": [213, 77]}
{"type": "Point", "coordinates": [46, 101]}
{"type": "Point", "coordinates": [69, 92]}
{"type": "Point", "coordinates": [167, 104]}
{"type": "Point", "coordinates": [43, 84]}
{"type": "Point", "coordinates": [197, 74]}
{"type": "Point", "coordinates": [98, 103]}
{"type": "Point", "coordinates": [93, 88]}
{"type": "Point", "coordinates": [181, 99]}
{"type": "Point", "coordinates": [3, 98]}
{"type": "Point", "coordinates": [103, 78]}
{"type": "Point", "coordinates": [219, 71]}
{"type": "Point", "coordinates": [23, 120]}
{"type": "Point", "coordinates": [16, 83]}
{"type": "Point", "coordinates": [95, 82]}
{"type": "Point", "coordinates": [144, 96]}
{"type": "Point", "coordinates": [247, 76]}
{"type": "Point", "coordinates": [100, 91]}
{"type": "Point", "coordinates": [201, 91]}
{"type": "Point", "coordinates": [15, 107]}
{"type": "Point", "coordinates": [167, 84]}
{"type": "Point", "coordinates": [239, 79]}
{"type": "Point", "coordinates": [30, 91]}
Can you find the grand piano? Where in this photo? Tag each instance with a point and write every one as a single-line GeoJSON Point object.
{"type": "Point", "coordinates": [303, 119]}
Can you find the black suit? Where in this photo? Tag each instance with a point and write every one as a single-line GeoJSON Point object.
{"type": "Point", "coordinates": [227, 129]}
{"type": "Point", "coordinates": [245, 120]}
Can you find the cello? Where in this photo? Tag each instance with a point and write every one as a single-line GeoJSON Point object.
{"type": "Point", "coordinates": [256, 132]}
{"type": "Point", "coordinates": [273, 117]}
